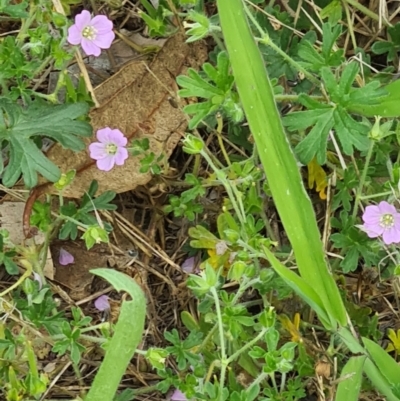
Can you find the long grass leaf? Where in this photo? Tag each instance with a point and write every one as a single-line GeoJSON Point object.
{"type": "Point", "coordinates": [290, 197]}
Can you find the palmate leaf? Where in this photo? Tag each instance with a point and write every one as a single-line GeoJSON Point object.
{"type": "Point", "coordinates": [351, 134]}
{"type": "Point", "coordinates": [315, 143]}
{"type": "Point", "coordinates": [312, 59]}
{"type": "Point", "coordinates": [334, 116]}
{"type": "Point", "coordinates": [20, 126]}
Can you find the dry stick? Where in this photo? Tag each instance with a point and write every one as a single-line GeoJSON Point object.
{"type": "Point", "coordinates": [366, 11]}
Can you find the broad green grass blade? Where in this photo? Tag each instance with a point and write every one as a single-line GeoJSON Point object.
{"type": "Point", "coordinates": [385, 363]}
{"type": "Point", "coordinates": [371, 370]}
{"type": "Point", "coordinates": [379, 381]}
{"type": "Point", "coordinates": [303, 289]}
{"type": "Point", "coordinates": [351, 377]}
{"type": "Point", "coordinates": [127, 335]}
{"type": "Point", "coordinates": [293, 204]}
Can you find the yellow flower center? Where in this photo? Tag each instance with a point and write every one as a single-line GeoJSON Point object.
{"type": "Point", "coordinates": [387, 220]}
{"type": "Point", "coordinates": [111, 149]}
{"type": "Point", "coordinates": [89, 33]}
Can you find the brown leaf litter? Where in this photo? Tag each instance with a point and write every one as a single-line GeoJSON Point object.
{"type": "Point", "coordinates": [136, 100]}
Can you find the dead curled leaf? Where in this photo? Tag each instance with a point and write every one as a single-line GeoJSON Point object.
{"type": "Point", "coordinates": [136, 101]}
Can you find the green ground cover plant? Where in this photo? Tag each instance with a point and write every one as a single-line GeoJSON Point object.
{"type": "Point", "coordinates": [292, 114]}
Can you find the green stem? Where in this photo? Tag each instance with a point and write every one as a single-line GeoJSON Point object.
{"type": "Point", "coordinates": [207, 339]}
{"type": "Point", "coordinates": [363, 177]}
{"type": "Point", "coordinates": [217, 40]}
{"type": "Point", "coordinates": [265, 39]}
{"type": "Point", "coordinates": [257, 381]}
{"type": "Point", "coordinates": [243, 287]}
{"type": "Point", "coordinates": [72, 220]}
{"type": "Point", "coordinates": [272, 376]}
{"type": "Point", "coordinates": [229, 188]}
{"type": "Point", "coordinates": [295, 98]}
{"type": "Point", "coordinates": [224, 363]}
{"type": "Point", "coordinates": [246, 346]}
{"type": "Point", "coordinates": [364, 197]}
{"type": "Point", "coordinates": [42, 66]}
{"type": "Point", "coordinates": [283, 381]}
{"type": "Point", "coordinates": [26, 24]}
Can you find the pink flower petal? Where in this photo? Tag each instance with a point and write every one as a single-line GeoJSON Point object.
{"type": "Point", "coordinates": [97, 150]}
{"type": "Point", "coordinates": [121, 156]}
{"type": "Point", "coordinates": [178, 396]}
{"type": "Point", "coordinates": [103, 135]}
{"type": "Point", "coordinates": [107, 163]}
{"type": "Point", "coordinates": [391, 236]}
{"type": "Point", "coordinates": [102, 24]}
{"type": "Point", "coordinates": [373, 230]}
{"type": "Point", "coordinates": [82, 20]}
{"type": "Point", "coordinates": [90, 48]}
{"type": "Point", "coordinates": [386, 208]}
{"type": "Point", "coordinates": [372, 215]}
{"type": "Point", "coordinates": [65, 258]}
{"type": "Point", "coordinates": [104, 40]}
{"type": "Point", "coordinates": [117, 138]}
{"type": "Point", "coordinates": [74, 35]}
{"type": "Point", "coordinates": [188, 265]}
{"type": "Point", "coordinates": [101, 303]}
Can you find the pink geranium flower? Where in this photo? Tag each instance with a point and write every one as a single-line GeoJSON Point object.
{"type": "Point", "coordinates": [382, 220]}
{"type": "Point", "coordinates": [178, 396]}
{"type": "Point", "coordinates": [65, 258]}
{"type": "Point", "coordinates": [101, 303]}
{"type": "Point", "coordinates": [93, 34]}
{"type": "Point", "coordinates": [110, 149]}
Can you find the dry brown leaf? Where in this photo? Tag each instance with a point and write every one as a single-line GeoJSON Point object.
{"type": "Point", "coordinates": [323, 369]}
{"type": "Point", "coordinates": [136, 102]}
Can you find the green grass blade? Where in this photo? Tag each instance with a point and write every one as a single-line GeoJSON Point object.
{"type": "Point", "coordinates": [351, 377]}
{"type": "Point", "coordinates": [303, 289]}
{"type": "Point", "coordinates": [127, 335]}
{"type": "Point", "coordinates": [379, 381]}
{"type": "Point", "coordinates": [385, 363]}
{"type": "Point", "coordinates": [290, 197]}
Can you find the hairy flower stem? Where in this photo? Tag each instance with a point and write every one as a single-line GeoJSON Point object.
{"type": "Point", "coordinates": [224, 361]}
{"type": "Point", "coordinates": [258, 380]}
{"type": "Point", "coordinates": [247, 346]}
{"type": "Point", "coordinates": [380, 194]}
{"type": "Point", "coordinates": [26, 24]}
{"type": "Point", "coordinates": [362, 178]}
{"type": "Point", "coordinates": [266, 40]}
{"type": "Point", "coordinates": [207, 339]}
{"type": "Point", "coordinates": [218, 41]}
{"type": "Point", "coordinates": [220, 123]}
{"type": "Point", "coordinates": [233, 193]}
